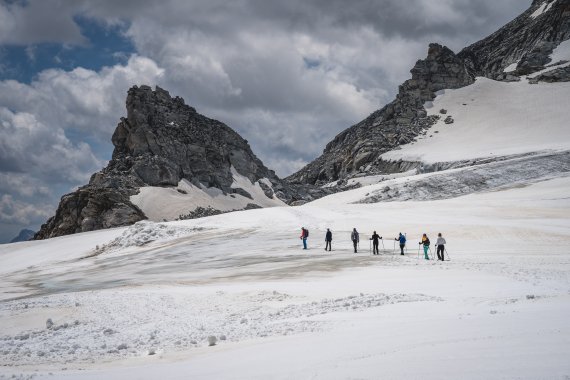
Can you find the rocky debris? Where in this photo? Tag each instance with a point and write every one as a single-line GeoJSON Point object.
{"type": "Point", "coordinates": [212, 340]}
{"type": "Point", "coordinates": [443, 111]}
{"type": "Point", "coordinates": [357, 149]}
{"type": "Point", "coordinates": [448, 120]}
{"type": "Point", "coordinates": [160, 142]}
{"type": "Point", "coordinates": [200, 212]}
{"type": "Point", "coordinates": [561, 74]}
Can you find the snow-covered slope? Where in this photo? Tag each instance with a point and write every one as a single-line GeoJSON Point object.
{"type": "Point", "coordinates": [493, 119]}
{"type": "Point", "coordinates": [167, 203]}
{"type": "Point", "coordinates": [141, 302]}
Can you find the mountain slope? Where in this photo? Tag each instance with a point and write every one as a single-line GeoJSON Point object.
{"type": "Point", "coordinates": [23, 235]}
{"type": "Point", "coordinates": [522, 47]}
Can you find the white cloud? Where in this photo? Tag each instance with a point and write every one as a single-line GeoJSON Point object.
{"type": "Point", "coordinates": [16, 212]}
{"type": "Point", "coordinates": [29, 146]}
{"type": "Point", "coordinates": [80, 99]}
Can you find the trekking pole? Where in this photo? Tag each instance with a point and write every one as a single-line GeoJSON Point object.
{"type": "Point", "coordinates": [383, 249]}
{"type": "Point", "coordinates": [447, 253]}
{"type": "Point", "coordinates": [370, 250]}
{"type": "Point", "coordinates": [394, 250]}
{"type": "Point", "coordinates": [418, 252]}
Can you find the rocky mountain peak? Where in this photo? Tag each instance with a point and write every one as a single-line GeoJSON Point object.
{"type": "Point", "coordinates": [161, 142]}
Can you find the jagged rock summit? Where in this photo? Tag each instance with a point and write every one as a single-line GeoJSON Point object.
{"type": "Point", "coordinates": [165, 145]}
{"type": "Point", "coordinates": [522, 47]}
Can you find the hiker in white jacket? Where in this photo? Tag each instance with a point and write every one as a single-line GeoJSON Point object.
{"type": "Point", "coordinates": [440, 244]}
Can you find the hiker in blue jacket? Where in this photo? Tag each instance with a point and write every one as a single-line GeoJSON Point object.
{"type": "Point", "coordinates": [402, 240]}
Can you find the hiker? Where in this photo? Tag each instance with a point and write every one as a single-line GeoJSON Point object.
{"type": "Point", "coordinates": [304, 236]}
{"type": "Point", "coordinates": [440, 244]}
{"type": "Point", "coordinates": [402, 240]}
{"type": "Point", "coordinates": [328, 239]}
{"type": "Point", "coordinates": [375, 239]}
{"type": "Point", "coordinates": [425, 242]}
{"type": "Point", "coordinates": [354, 236]}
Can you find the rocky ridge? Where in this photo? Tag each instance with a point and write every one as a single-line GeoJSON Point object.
{"type": "Point", "coordinates": [528, 41]}
{"type": "Point", "coordinates": [160, 142]}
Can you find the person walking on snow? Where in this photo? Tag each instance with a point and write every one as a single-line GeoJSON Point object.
{"type": "Point", "coordinates": [425, 242]}
{"type": "Point", "coordinates": [440, 244]}
{"type": "Point", "coordinates": [375, 239]}
{"type": "Point", "coordinates": [304, 236]}
{"type": "Point", "coordinates": [354, 236]}
{"type": "Point", "coordinates": [402, 240]}
{"type": "Point", "coordinates": [328, 239]}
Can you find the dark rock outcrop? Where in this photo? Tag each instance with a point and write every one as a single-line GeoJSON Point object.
{"type": "Point", "coordinates": [160, 142]}
{"type": "Point", "coordinates": [526, 40]}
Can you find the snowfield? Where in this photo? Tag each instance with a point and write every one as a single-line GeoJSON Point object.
{"type": "Point", "coordinates": [493, 119]}
{"type": "Point", "coordinates": [167, 203]}
{"type": "Point", "coordinates": [146, 301]}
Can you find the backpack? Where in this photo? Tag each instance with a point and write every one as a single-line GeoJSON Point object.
{"type": "Point", "coordinates": [306, 233]}
{"type": "Point", "coordinates": [426, 242]}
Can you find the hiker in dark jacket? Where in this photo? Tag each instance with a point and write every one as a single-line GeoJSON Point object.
{"type": "Point", "coordinates": [375, 240]}
{"type": "Point", "coordinates": [355, 237]}
{"type": "Point", "coordinates": [328, 239]}
{"type": "Point", "coordinates": [402, 240]}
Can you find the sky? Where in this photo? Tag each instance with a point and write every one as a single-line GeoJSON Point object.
{"type": "Point", "coordinates": [287, 75]}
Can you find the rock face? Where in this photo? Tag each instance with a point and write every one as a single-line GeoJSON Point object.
{"type": "Point", "coordinates": [160, 142]}
{"type": "Point", "coordinates": [528, 40]}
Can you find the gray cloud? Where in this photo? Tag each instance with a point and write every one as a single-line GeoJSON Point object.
{"type": "Point", "coordinates": [33, 22]}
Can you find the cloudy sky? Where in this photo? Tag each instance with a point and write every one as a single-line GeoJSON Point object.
{"type": "Point", "coordinates": [287, 75]}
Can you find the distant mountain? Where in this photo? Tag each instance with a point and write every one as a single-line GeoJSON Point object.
{"type": "Point", "coordinates": [171, 162]}
{"type": "Point", "coordinates": [24, 235]}
{"type": "Point", "coordinates": [522, 47]}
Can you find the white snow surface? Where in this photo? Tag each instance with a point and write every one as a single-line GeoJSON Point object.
{"type": "Point", "coordinates": [492, 119]}
{"type": "Point", "coordinates": [561, 52]}
{"type": "Point", "coordinates": [167, 203]}
{"type": "Point", "coordinates": [544, 7]}
{"type": "Point", "coordinates": [147, 308]}
{"type": "Point", "coordinates": [511, 67]}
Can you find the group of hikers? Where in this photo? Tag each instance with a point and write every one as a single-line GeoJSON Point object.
{"type": "Point", "coordinates": [375, 238]}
